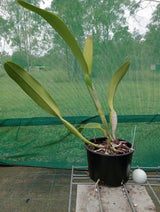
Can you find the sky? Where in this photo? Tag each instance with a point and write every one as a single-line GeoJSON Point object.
{"type": "Point", "coordinates": [142, 16]}
{"type": "Point", "coordinates": [45, 3]}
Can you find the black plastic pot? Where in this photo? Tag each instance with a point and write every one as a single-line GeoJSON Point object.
{"type": "Point", "coordinates": [112, 170]}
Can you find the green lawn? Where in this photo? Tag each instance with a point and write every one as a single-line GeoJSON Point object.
{"type": "Point", "coordinates": [138, 93]}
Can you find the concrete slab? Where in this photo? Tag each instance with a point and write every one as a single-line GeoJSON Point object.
{"type": "Point", "coordinates": [113, 199]}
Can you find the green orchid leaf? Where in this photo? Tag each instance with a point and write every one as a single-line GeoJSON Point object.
{"type": "Point", "coordinates": [88, 52]}
{"type": "Point", "coordinates": [39, 95]}
{"type": "Point", "coordinates": [32, 88]}
{"type": "Point", "coordinates": [92, 126]}
{"type": "Point", "coordinates": [72, 129]}
{"type": "Point", "coordinates": [117, 77]}
{"type": "Point", "coordinates": [76, 132]}
{"type": "Point", "coordinates": [63, 31]}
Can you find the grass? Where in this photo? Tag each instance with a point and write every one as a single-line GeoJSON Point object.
{"type": "Point", "coordinates": [139, 93]}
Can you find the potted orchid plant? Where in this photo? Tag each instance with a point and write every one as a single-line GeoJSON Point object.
{"type": "Point", "coordinates": [109, 158]}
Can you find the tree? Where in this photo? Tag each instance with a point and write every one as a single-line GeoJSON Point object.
{"type": "Point", "coordinates": [110, 32]}
{"type": "Point", "coordinates": [152, 42]}
{"type": "Point", "coordinates": [26, 31]}
{"type": "Point", "coordinates": [71, 12]}
{"type": "Point", "coordinates": [105, 20]}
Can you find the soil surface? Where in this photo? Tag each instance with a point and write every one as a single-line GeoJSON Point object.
{"type": "Point", "coordinates": [116, 147]}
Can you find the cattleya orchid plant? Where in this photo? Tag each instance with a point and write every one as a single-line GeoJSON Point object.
{"type": "Point", "coordinates": [38, 94]}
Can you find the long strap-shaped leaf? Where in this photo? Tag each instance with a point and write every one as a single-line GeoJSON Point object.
{"type": "Point", "coordinates": [39, 95]}
{"type": "Point", "coordinates": [33, 88]}
{"type": "Point", "coordinates": [91, 126]}
{"type": "Point", "coordinates": [117, 77]}
{"type": "Point", "coordinates": [75, 132]}
{"type": "Point", "coordinates": [64, 32]}
{"type": "Point", "coordinates": [88, 52]}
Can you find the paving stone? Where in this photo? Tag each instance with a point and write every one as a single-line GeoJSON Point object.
{"type": "Point", "coordinates": [113, 199]}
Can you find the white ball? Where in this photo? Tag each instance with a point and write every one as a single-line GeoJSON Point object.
{"type": "Point", "coordinates": [139, 176]}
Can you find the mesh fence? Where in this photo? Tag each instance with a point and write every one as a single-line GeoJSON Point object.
{"type": "Point", "coordinates": [121, 30]}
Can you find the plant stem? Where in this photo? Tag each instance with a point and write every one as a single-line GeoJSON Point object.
{"type": "Point", "coordinates": [98, 106]}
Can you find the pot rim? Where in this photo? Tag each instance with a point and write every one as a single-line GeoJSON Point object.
{"type": "Point", "coordinates": [108, 155]}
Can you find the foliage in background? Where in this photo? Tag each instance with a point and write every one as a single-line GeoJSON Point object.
{"type": "Point", "coordinates": [112, 40]}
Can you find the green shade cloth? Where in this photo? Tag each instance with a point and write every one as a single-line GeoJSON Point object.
{"type": "Point", "coordinates": [44, 142]}
{"type": "Point", "coordinates": [28, 135]}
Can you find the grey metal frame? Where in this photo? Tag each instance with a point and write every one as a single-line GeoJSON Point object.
{"type": "Point", "coordinates": [81, 178]}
